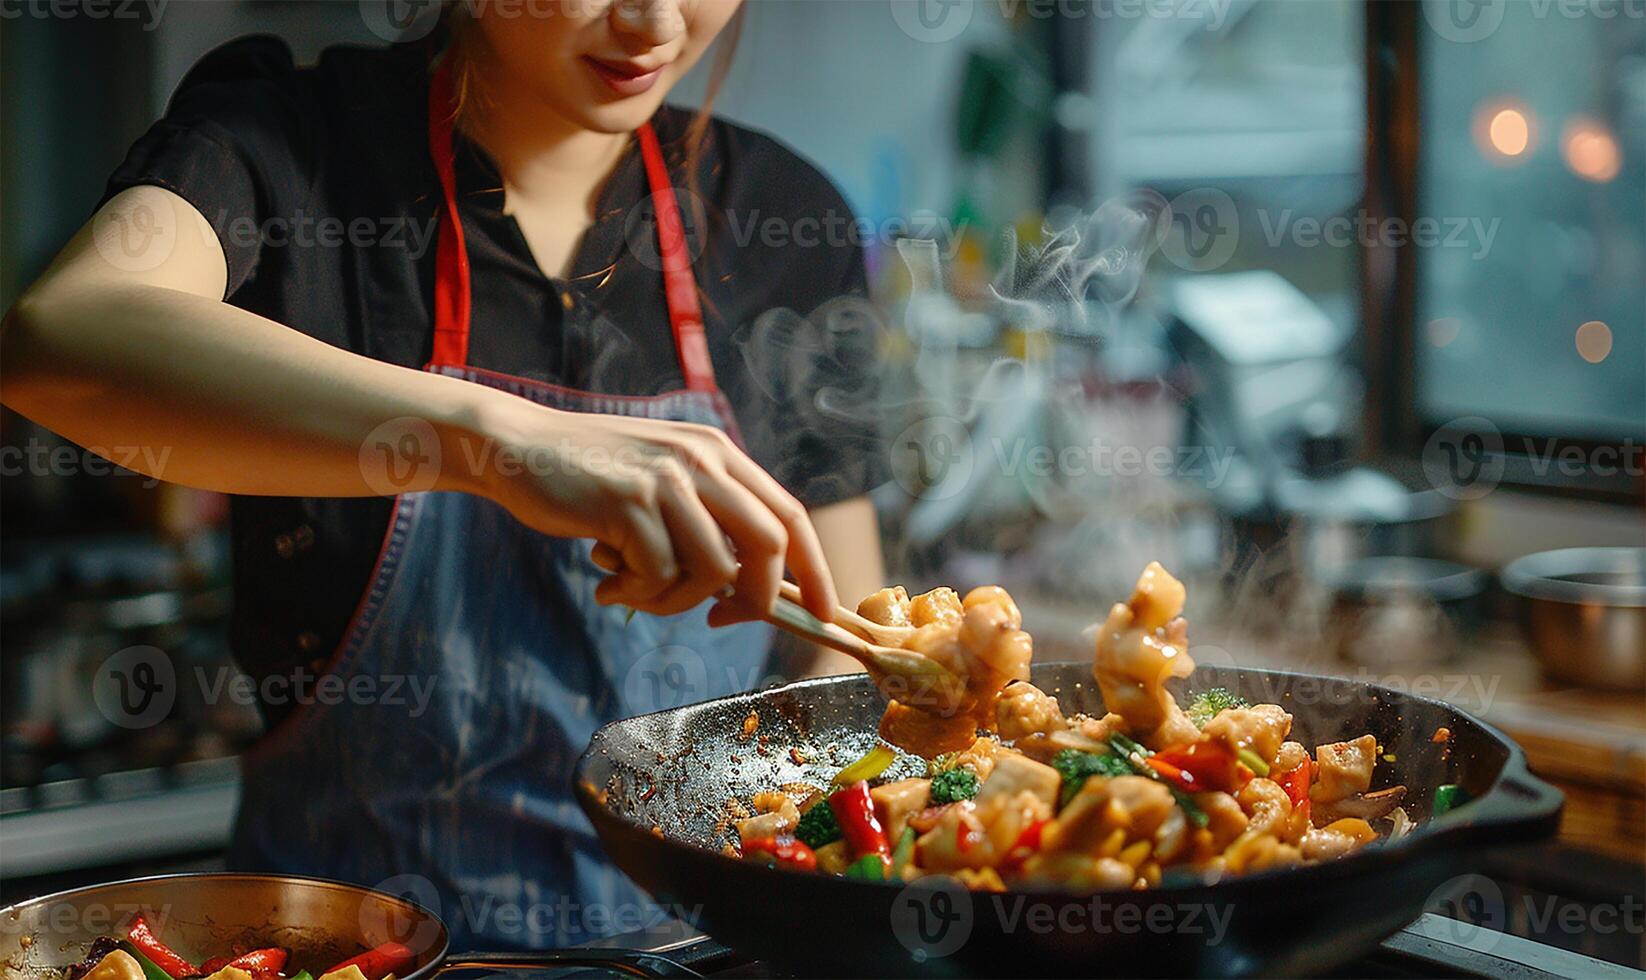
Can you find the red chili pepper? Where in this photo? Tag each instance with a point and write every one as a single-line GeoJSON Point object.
{"type": "Point", "coordinates": [854, 812]}
{"type": "Point", "coordinates": [962, 837]}
{"type": "Point", "coordinates": [1026, 846]}
{"type": "Point", "coordinates": [1295, 782]}
{"type": "Point", "coordinates": [158, 952]}
{"type": "Point", "coordinates": [379, 962]}
{"type": "Point", "coordinates": [783, 851]}
{"type": "Point", "coordinates": [1202, 766]}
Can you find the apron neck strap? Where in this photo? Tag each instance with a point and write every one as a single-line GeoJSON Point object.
{"type": "Point", "coordinates": [452, 283]}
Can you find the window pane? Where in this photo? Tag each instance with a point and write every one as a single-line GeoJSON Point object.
{"type": "Point", "coordinates": [1531, 315]}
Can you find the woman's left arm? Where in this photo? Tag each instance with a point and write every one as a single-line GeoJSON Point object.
{"type": "Point", "coordinates": [850, 533]}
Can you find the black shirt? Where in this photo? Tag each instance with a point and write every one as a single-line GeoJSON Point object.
{"type": "Point", "coordinates": [319, 184]}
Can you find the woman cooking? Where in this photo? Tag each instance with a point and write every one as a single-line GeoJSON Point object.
{"type": "Point", "coordinates": [435, 317]}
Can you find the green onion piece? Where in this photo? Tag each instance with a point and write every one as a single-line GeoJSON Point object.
{"type": "Point", "coordinates": [1134, 753]}
{"type": "Point", "coordinates": [1448, 796]}
{"type": "Point", "coordinates": [874, 762]}
{"type": "Point", "coordinates": [903, 853]}
{"type": "Point", "coordinates": [1252, 761]}
{"type": "Point", "coordinates": [151, 971]}
{"type": "Point", "coordinates": [869, 867]}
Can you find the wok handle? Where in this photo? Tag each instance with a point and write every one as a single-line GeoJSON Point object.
{"type": "Point", "coordinates": [1520, 806]}
{"type": "Point", "coordinates": [631, 962]}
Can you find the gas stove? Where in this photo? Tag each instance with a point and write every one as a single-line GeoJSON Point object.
{"type": "Point", "coordinates": [1432, 946]}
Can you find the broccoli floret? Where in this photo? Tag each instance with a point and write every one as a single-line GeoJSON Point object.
{"type": "Point", "coordinates": [817, 826]}
{"type": "Point", "coordinates": [1076, 767]}
{"type": "Point", "coordinates": [954, 785]}
{"type": "Point", "coordinates": [1207, 704]}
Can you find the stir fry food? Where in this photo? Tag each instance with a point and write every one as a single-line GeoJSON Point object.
{"type": "Point", "coordinates": [143, 956]}
{"type": "Point", "coordinates": [1019, 792]}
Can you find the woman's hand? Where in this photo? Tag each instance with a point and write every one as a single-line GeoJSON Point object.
{"type": "Point", "coordinates": [684, 511]}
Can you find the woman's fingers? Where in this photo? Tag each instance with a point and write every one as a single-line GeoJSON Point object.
{"type": "Point", "coordinates": [804, 552]}
{"type": "Point", "coordinates": [649, 565]}
{"type": "Point", "coordinates": [758, 536]}
{"type": "Point", "coordinates": [707, 564]}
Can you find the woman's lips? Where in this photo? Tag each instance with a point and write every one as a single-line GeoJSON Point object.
{"type": "Point", "coordinates": [625, 79]}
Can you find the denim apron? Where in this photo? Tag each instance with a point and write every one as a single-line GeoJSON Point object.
{"type": "Point", "coordinates": [478, 665]}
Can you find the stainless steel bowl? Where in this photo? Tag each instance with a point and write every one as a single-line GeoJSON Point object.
{"type": "Point", "coordinates": [1584, 611]}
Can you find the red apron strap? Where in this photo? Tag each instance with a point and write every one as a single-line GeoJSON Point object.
{"type": "Point", "coordinates": [451, 261]}
{"type": "Point", "coordinates": [679, 285]}
{"type": "Point", "coordinates": [451, 256]}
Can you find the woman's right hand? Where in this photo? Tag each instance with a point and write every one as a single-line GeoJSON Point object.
{"type": "Point", "coordinates": [685, 511]}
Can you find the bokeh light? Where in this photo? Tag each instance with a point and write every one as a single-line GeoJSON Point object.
{"type": "Point", "coordinates": [1506, 131]}
{"type": "Point", "coordinates": [1594, 341]}
{"type": "Point", "coordinates": [1591, 151]}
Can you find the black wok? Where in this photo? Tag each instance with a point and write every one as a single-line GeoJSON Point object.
{"type": "Point", "coordinates": [654, 787]}
{"type": "Point", "coordinates": [319, 923]}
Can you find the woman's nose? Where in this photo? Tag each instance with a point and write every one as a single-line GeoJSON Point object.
{"type": "Point", "coordinates": [657, 22]}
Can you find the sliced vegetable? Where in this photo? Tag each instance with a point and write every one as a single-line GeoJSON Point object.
{"type": "Point", "coordinates": [1251, 760]}
{"type": "Point", "coordinates": [151, 971]}
{"type": "Point", "coordinates": [817, 826]}
{"type": "Point", "coordinates": [1138, 757]}
{"type": "Point", "coordinates": [869, 867]}
{"type": "Point", "coordinates": [874, 762]}
{"type": "Point", "coordinates": [1448, 796]}
{"type": "Point", "coordinates": [1205, 705]}
{"type": "Point", "coordinates": [1026, 846]}
{"type": "Point", "coordinates": [1076, 767]}
{"type": "Point", "coordinates": [1295, 782]}
{"type": "Point", "coordinates": [784, 852]}
{"type": "Point", "coordinates": [903, 853]}
{"type": "Point", "coordinates": [158, 952]}
{"type": "Point", "coordinates": [1199, 767]}
{"type": "Point", "coordinates": [954, 785]}
{"type": "Point", "coordinates": [379, 962]}
{"type": "Point", "coordinates": [854, 810]}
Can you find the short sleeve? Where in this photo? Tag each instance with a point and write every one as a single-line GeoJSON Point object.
{"type": "Point", "coordinates": [235, 142]}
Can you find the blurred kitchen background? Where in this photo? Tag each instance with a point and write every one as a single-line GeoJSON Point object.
{"type": "Point", "coordinates": [1349, 318]}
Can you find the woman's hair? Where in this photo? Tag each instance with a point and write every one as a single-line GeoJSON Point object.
{"type": "Point", "coordinates": [461, 35]}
